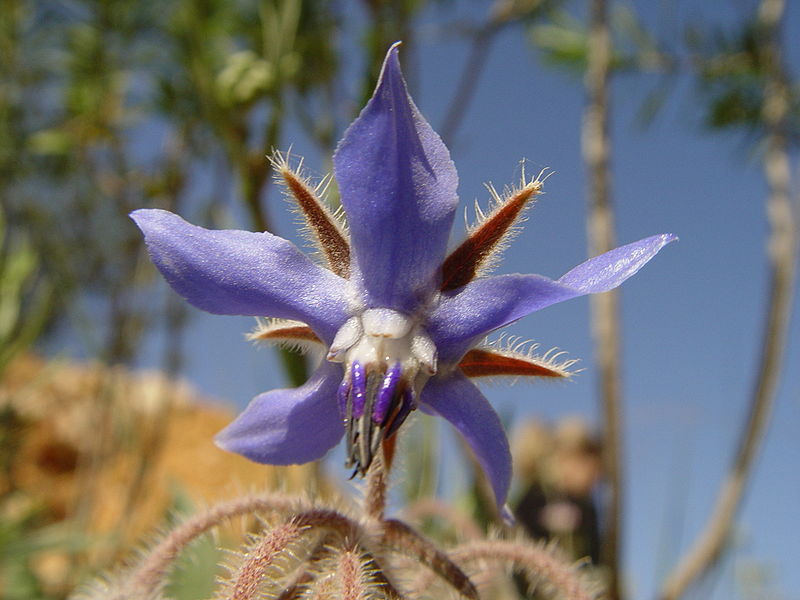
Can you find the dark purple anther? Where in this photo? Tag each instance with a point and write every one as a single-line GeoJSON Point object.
{"type": "Point", "coordinates": [358, 380]}
{"type": "Point", "coordinates": [384, 400]}
{"type": "Point", "coordinates": [405, 408]}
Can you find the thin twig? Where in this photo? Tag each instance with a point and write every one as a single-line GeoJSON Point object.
{"type": "Point", "coordinates": [604, 307]}
{"type": "Point", "coordinates": [468, 82]}
{"type": "Point", "coordinates": [709, 545]}
{"type": "Point", "coordinates": [501, 15]}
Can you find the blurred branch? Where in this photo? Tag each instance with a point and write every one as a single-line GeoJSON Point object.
{"type": "Point", "coordinates": [710, 544]}
{"type": "Point", "coordinates": [468, 82]}
{"type": "Point", "coordinates": [604, 307]}
{"type": "Point", "coordinates": [502, 14]}
{"type": "Point", "coordinates": [389, 21]}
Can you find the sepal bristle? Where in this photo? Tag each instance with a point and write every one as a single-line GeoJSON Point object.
{"type": "Point", "coordinates": [489, 236]}
{"type": "Point", "coordinates": [510, 357]}
{"type": "Point", "coordinates": [325, 228]}
{"type": "Point", "coordinates": [294, 335]}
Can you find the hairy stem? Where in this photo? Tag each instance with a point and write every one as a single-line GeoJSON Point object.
{"type": "Point", "coordinates": [147, 579]}
{"type": "Point", "coordinates": [375, 497]}
{"type": "Point", "coordinates": [558, 574]}
{"type": "Point", "coordinates": [709, 545]}
{"type": "Point", "coordinates": [402, 538]}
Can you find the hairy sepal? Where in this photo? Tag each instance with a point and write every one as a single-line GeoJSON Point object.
{"type": "Point", "coordinates": [513, 358]}
{"type": "Point", "coordinates": [325, 228]}
{"type": "Point", "coordinates": [294, 335]}
{"type": "Point", "coordinates": [490, 235]}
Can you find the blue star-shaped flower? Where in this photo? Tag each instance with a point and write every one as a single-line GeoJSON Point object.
{"type": "Point", "coordinates": [401, 320]}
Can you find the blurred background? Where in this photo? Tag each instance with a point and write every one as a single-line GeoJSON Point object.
{"type": "Point", "coordinates": [111, 387]}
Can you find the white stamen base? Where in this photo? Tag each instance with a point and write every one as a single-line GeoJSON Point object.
{"type": "Point", "coordinates": [380, 338]}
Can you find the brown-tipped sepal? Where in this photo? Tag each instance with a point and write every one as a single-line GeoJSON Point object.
{"type": "Point", "coordinates": [515, 361]}
{"type": "Point", "coordinates": [325, 228]}
{"type": "Point", "coordinates": [287, 334]}
{"type": "Point", "coordinates": [490, 235]}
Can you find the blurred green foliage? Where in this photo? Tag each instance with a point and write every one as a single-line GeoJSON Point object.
{"type": "Point", "coordinates": [730, 64]}
{"type": "Point", "coordinates": [25, 298]}
{"type": "Point", "coordinates": [107, 106]}
{"type": "Point", "coordinates": [197, 570]}
{"type": "Point", "coordinates": [563, 41]}
{"type": "Point", "coordinates": [732, 69]}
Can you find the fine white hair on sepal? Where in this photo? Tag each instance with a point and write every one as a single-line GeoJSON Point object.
{"type": "Point", "coordinates": [526, 190]}
{"type": "Point", "coordinates": [527, 350]}
{"type": "Point", "coordinates": [498, 199]}
{"type": "Point", "coordinates": [326, 225]}
{"type": "Point", "coordinates": [293, 164]}
{"type": "Point", "coordinates": [292, 335]}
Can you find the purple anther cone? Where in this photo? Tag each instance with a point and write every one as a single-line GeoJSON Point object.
{"type": "Point", "coordinates": [385, 396]}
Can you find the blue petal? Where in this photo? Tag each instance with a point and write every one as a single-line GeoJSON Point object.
{"type": "Point", "coordinates": [607, 271]}
{"type": "Point", "coordinates": [232, 272]}
{"type": "Point", "coordinates": [487, 304]}
{"type": "Point", "coordinates": [289, 426]}
{"type": "Point", "coordinates": [458, 400]}
{"type": "Point", "coordinates": [398, 187]}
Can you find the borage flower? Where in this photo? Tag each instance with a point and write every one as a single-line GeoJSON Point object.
{"type": "Point", "coordinates": [402, 321]}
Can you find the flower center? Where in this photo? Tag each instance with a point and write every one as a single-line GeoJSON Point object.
{"type": "Point", "coordinates": [387, 360]}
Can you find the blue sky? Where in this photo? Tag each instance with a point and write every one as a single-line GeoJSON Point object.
{"type": "Point", "coordinates": [691, 319]}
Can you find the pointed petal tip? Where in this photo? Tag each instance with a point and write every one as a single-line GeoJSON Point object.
{"type": "Point", "coordinates": [392, 56]}
{"type": "Point", "coordinates": [148, 220]}
{"type": "Point", "coordinates": [507, 516]}
{"type": "Point", "coordinates": [220, 441]}
{"type": "Point", "coordinates": [227, 440]}
{"type": "Point", "coordinates": [390, 69]}
{"type": "Point", "coordinates": [140, 216]}
{"type": "Point", "coordinates": [606, 271]}
{"type": "Point", "coordinates": [668, 238]}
